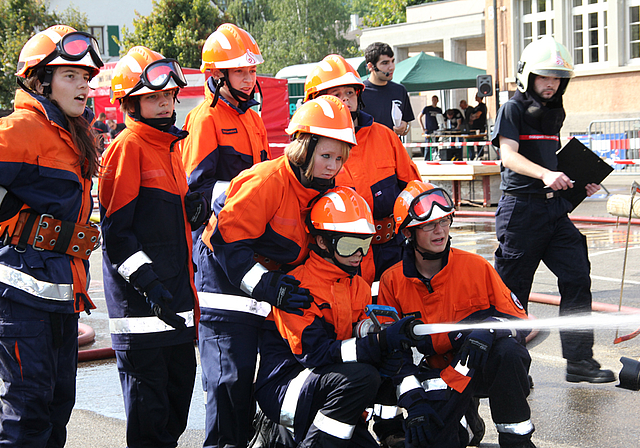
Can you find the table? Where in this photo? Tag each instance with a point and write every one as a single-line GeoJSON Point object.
{"type": "Point", "coordinates": [450, 134]}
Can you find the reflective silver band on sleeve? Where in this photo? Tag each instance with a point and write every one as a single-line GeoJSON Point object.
{"type": "Point", "coordinates": [3, 193]}
{"type": "Point", "coordinates": [132, 264]}
{"type": "Point", "coordinates": [386, 412]}
{"type": "Point", "coordinates": [434, 384]}
{"type": "Point", "coordinates": [144, 325]}
{"type": "Point", "coordinates": [229, 302]}
{"type": "Point", "coordinates": [462, 370]}
{"type": "Point", "coordinates": [45, 290]}
{"type": "Point", "coordinates": [291, 396]}
{"type": "Point", "coordinates": [333, 427]}
{"type": "Point", "coordinates": [251, 278]}
{"type": "Point", "coordinates": [219, 188]}
{"type": "Point", "coordinates": [408, 383]}
{"type": "Point", "coordinates": [348, 351]}
{"type": "Point", "coordinates": [521, 429]}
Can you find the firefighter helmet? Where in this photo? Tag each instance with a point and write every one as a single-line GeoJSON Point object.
{"type": "Point", "coordinates": [332, 71]}
{"type": "Point", "coordinates": [230, 47]}
{"type": "Point", "coordinates": [544, 57]}
{"type": "Point", "coordinates": [325, 116]}
{"type": "Point", "coordinates": [419, 203]}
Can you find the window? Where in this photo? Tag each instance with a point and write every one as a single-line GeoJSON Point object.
{"type": "Point", "coordinates": [634, 29]}
{"type": "Point", "coordinates": [98, 33]}
{"type": "Point", "coordinates": [537, 20]}
{"type": "Point", "coordinates": [590, 26]}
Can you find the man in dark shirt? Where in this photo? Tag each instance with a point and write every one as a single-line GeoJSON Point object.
{"type": "Point", "coordinates": [478, 118]}
{"type": "Point", "coordinates": [430, 113]}
{"type": "Point", "coordinates": [385, 100]}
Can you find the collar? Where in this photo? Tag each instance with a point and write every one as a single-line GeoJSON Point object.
{"type": "Point", "coordinates": [364, 120]}
{"type": "Point", "coordinates": [155, 136]}
{"type": "Point", "coordinates": [330, 272]}
{"type": "Point", "coordinates": [39, 103]}
{"type": "Point", "coordinates": [409, 268]}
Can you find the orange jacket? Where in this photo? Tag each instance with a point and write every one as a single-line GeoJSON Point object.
{"type": "Point", "coordinates": [39, 165]}
{"type": "Point", "coordinates": [264, 213]}
{"type": "Point", "coordinates": [378, 168]}
{"type": "Point", "coordinates": [222, 141]}
{"type": "Point", "coordinates": [467, 287]}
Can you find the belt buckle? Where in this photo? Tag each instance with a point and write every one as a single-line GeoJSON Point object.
{"type": "Point", "coordinates": [98, 240]}
{"type": "Point", "coordinates": [550, 195]}
{"type": "Point", "coordinates": [37, 238]}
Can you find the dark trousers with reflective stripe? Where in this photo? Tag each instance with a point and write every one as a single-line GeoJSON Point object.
{"type": "Point", "coordinates": [38, 362]}
{"type": "Point", "coordinates": [503, 380]}
{"type": "Point", "coordinates": [533, 230]}
{"type": "Point", "coordinates": [157, 385]}
{"type": "Point", "coordinates": [228, 353]}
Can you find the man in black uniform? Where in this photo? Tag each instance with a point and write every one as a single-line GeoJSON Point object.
{"type": "Point", "coordinates": [531, 220]}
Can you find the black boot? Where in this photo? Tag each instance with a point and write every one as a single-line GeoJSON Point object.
{"type": "Point", "coordinates": [588, 370]}
{"type": "Point", "coordinates": [475, 422]}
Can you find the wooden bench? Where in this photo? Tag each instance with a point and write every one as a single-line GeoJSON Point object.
{"type": "Point", "coordinates": [458, 172]}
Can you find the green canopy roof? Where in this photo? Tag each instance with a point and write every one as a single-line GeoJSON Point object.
{"type": "Point", "coordinates": [424, 72]}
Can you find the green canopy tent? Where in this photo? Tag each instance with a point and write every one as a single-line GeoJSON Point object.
{"type": "Point", "coordinates": [424, 72]}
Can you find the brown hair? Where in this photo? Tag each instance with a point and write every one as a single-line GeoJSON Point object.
{"type": "Point", "coordinates": [83, 137]}
{"type": "Point", "coordinates": [296, 152]}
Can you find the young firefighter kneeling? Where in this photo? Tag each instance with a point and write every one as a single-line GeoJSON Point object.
{"type": "Point", "coordinates": [314, 377]}
{"type": "Point", "coordinates": [436, 283]}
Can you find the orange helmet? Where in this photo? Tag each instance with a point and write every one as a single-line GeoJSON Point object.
{"type": "Point", "coordinates": [325, 116]}
{"type": "Point", "coordinates": [229, 47]}
{"type": "Point", "coordinates": [332, 71]}
{"type": "Point", "coordinates": [345, 219]}
{"type": "Point", "coordinates": [419, 203]}
{"type": "Point", "coordinates": [60, 45]}
{"type": "Point", "coordinates": [145, 71]}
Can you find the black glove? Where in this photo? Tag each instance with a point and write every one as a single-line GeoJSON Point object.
{"type": "Point", "coordinates": [475, 350]}
{"type": "Point", "coordinates": [282, 291]}
{"type": "Point", "coordinates": [197, 209]}
{"type": "Point", "coordinates": [391, 364]}
{"type": "Point", "coordinates": [422, 424]}
{"type": "Point", "coordinates": [158, 297]}
{"type": "Point", "coordinates": [425, 346]}
{"type": "Point", "coordinates": [397, 336]}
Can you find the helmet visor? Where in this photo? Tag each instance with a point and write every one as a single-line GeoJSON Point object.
{"type": "Point", "coordinates": [158, 74]}
{"type": "Point", "coordinates": [347, 246]}
{"type": "Point", "coordinates": [422, 206]}
{"type": "Point", "coordinates": [74, 46]}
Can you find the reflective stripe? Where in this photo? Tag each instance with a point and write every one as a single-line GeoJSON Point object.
{"type": "Point", "coordinates": [333, 427]}
{"type": "Point", "coordinates": [132, 264]}
{"type": "Point", "coordinates": [233, 303]}
{"type": "Point", "coordinates": [290, 402]}
{"type": "Point", "coordinates": [386, 412]}
{"type": "Point", "coordinates": [462, 370]}
{"type": "Point", "coordinates": [31, 285]}
{"type": "Point", "coordinates": [434, 384]}
{"type": "Point", "coordinates": [375, 287]}
{"type": "Point", "coordinates": [219, 188]}
{"type": "Point", "coordinates": [408, 383]}
{"type": "Point", "coordinates": [3, 193]}
{"type": "Point", "coordinates": [521, 429]}
{"type": "Point", "coordinates": [348, 351]}
{"type": "Point", "coordinates": [143, 325]}
{"type": "Point", "coordinates": [251, 278]}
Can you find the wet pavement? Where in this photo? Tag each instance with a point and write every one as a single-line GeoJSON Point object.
{"type": "Point", "coordinates": [565, 414]}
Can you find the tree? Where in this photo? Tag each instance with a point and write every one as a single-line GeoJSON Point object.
{"type": "Point", "coordinates": [19, 21]}
{"type": "Point", "coordinates": [176, 28]}
{"type": "Point", "coordinates": [383, 12]}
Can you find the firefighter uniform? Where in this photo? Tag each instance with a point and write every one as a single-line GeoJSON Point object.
{"type": "Point", "coordinates": [467, 289]}
{"type": "Point", "coordinates": [223, 141]}
{"type": "Point", "coordinates": [314, 378]}
{"type": "Point", "coordinates": [143, 221]}
{"type": "Point", "coordinates": [261, 217]}
{"type": "Point", "coordinates": [379, 185]}
{"type": "Point", "coordinates": [41, 290]}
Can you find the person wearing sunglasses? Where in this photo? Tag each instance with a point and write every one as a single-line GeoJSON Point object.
{"type": "Point", "coordinates": [378, 167]}
{"type": "Point", "coordinates": [440, 284]}
{"type": "Point", "coordinates": [316, 378]}
{"type": "Point", "coordinates": [147, 215]}
{"type": "Point", "coordinates": [226, 136]}
{"type": "Point", "coordinates": [48, 157]}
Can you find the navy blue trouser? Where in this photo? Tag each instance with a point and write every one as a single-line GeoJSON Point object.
{"type": "Point", "coordinates": [37, 375]}
{"type": "Point", "coordinates": [531, 230]}
{"type": "Point", "coordinates": [228, 353]}
{"type": "Point", "coordinates": [157, 385]}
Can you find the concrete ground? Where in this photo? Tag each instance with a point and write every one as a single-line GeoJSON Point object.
{"type": "Point", "coordinates": [565, 415]}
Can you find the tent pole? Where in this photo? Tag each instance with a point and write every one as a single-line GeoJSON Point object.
{"type": "Point", "coordinates": [495, 54]}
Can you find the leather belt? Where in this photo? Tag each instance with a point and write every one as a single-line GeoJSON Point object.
{"type": "Point", "coordinates": [384, 230]}
{"type": "Point", "coordinates": [44, 232]}
{"type": "Point", "coordinates": [545, 196]}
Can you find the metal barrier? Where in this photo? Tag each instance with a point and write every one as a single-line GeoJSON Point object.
{"type": "Point", "coordinates": [615, 140]}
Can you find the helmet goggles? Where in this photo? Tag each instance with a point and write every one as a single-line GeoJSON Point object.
{"type": "Point", "coordinates": [422, 206]}
{"type": "Point", "coordinates": [158, 74]}
{"type": "Point", "coordinates": [74, 46]}
{"type": "Point", "coordinates": [348, 245]}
